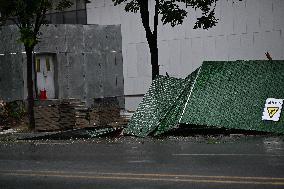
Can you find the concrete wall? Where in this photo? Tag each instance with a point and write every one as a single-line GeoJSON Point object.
{"type": "Point", "coordinates": [12, 88]}
{"type": "Point", "coordinates": [11, 64]}
{"type": "Point", "coordinates": [246, 30]}
{"type": "Point", "coordinates": [88, 60]}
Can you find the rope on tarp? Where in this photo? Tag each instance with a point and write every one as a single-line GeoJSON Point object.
{"type": "Point", "coordinates": [189, 95]}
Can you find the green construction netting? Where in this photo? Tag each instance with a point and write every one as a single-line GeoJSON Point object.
{"type": "Point", "coordinates": [220, 94]}
{"type": "Point", "coordinates": [173, 114]}
{"type": "Point", "coordinates": [162, 95]}
{"type": "Point", "coordinates": [233, 95]}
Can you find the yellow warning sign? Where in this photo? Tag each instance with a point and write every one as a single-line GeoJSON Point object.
{"type": "Point", "coordinates": [272, 111]}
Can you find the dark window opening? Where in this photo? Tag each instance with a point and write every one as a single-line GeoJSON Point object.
{"type": "Point", "coordinates": [37, 65]}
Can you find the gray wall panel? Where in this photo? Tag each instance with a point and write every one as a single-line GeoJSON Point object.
{"type": "Point", "coordinates": [112, 79]}
{"type": "Point", "coordinates": [94, 36]}
{"type": "Point", "coordinates": [63, 75]}
{"type": "Point", "coordinates": [112, 38]}
{"type": "Point", "coordinates": [74, 38]}
{"type": "Point", "coordinates": [11, 77]}
{"type": "Point", "coordinates": [94, 76]}
{"type": "Point", "coordinates": [77, 75]}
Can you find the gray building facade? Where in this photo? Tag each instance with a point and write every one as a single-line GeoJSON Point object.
{"type": "Point", "coordinates": [85, 62]}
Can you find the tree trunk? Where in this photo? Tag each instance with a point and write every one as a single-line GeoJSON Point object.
{"type": "Point", "coordinates": [29, 53]}
{"type": "Point", "coordinates": [154, 59]}
{"type": "Point", "coordinates": [151, 36]}
{"type": "Point", "coordinates": [154, 45]}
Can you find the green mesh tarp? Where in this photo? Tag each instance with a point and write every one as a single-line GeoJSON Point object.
{"type": "Point", "coordinates": [173, 114]}
{"type": "Point", "coordinates": [218, 94]}
{"type": "Point", "coordinates": [233, 95]}
{"type": "Point", "coordinates": [162, 95]}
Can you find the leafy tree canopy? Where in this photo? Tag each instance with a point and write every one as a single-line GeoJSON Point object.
{"type": "Point", "coordinates": [172, 12]}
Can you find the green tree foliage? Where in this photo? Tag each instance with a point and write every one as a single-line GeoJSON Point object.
{"type": "Point", "coordinates": [29, 16]}
{"type": "Point", "coordinates": [172, 13]}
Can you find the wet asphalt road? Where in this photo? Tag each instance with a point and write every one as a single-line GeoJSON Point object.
{"type": "Point", "coordinates": [238, 162]}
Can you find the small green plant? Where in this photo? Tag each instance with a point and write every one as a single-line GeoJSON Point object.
{"type": "Point", "coordinates": [15, 109]}
{"type": "Point", "coordinates": [211, 140]}
{"type": "Point", "coordinates": [11, 112]}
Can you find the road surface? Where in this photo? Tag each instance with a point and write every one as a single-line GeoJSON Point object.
{"type": "Point", "coordinates": [241, 162]}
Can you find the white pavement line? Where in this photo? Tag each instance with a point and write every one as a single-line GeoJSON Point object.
{"type": "Point", "coordinates": [53, 143]}
{"type": "Point", "coordinates": [189, 94]}
{"type": "Point", "coordinates": [261, 155]}
{"type": "Point", "coordinates": [141, 161]}
{"type": "Point", "coordinates": [147, 178]}
{"type": "Point", "coordinates": [48, 172]}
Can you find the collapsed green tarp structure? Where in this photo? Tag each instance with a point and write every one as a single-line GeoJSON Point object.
{"type": "Point", "coordinates": [223, 94]}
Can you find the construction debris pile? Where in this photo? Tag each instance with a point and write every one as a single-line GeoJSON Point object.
{"type": "Point", "coordinates": [57, 114]}
{"type": "Point", "coordinates": [105, 111]}
{"type": "Point", "coordinates": [246, 95]}
{"type": "Point", "coordinates": [70, 114]}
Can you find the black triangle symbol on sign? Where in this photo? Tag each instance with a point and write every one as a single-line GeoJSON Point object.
{"type": "Point", "coordinates": [272, 111]}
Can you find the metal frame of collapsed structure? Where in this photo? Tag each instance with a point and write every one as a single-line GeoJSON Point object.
{"type": "Point", "coordinates": [222, 94]}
